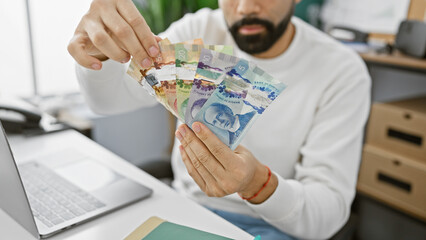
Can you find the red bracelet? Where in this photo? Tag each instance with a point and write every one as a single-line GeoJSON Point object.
{"type": "Point", "coordinates": [264, 185]}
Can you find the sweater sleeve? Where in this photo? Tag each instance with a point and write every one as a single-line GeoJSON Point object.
{"type": "Point", "coordinates": [317, 202]}
{"type": "Point", "coordinates": [110, 90]}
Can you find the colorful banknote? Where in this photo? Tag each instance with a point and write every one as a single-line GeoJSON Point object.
{"type": "Point", "coordinates": [211, 67]}
{"type": "Point", "coordinates": [205, 83]}
{"type": "Point", "coordinates": [187, 69]}
{"type": "Point", "coordinates": [166, 72]}
{"type": "Point", "coordinates": [160, 70]}
{"type": "Point", "coordinates": [187, 56]}
{"type": "Point", "coordinates": [245, 92]}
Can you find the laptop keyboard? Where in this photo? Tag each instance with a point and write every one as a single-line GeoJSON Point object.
{"type": "Point", "coordinates": [53, 199]}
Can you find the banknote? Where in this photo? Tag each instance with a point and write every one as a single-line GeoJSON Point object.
{"type": "Point", "coordinates": [160, 79]}
{"type": "Point", "coordinates": [151, 77]}
{"type": "Point", "coordinates": [166, 74]}
{"type": "Point", "coordinates": [226, 49]}
{"type": "Point", "coordinates": [187, 56]}
{"type": "Point", "coordinates": [212, 65]}
{"type": "Point", "coordinates": [264, 90]}
{"type": "Point", "coordinates": [244, 93]}
{"type": "Point", "coordinates": [135, 70]}
{"type": "Point", "coordinates": [206, 83]}
{"type": "Point", "coordinates": [186, 73]}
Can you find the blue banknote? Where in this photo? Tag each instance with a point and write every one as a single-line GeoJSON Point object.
{"type": "Point", "coordinates": [211, 67]}
{"type": "Point", "coordinates": [243, 94]}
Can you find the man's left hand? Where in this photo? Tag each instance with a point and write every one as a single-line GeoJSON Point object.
{"type": "Point", "coordinates": [218, 170]}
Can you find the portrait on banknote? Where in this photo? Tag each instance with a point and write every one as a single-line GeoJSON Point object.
{"type": "Point", "coordinates": [222, 117]}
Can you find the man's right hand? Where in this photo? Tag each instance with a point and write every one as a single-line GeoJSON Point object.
{"type": "Point", "coordinates": [113, 29]}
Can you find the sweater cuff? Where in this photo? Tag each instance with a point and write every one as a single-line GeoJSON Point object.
{"type": "Point", "coordinates": [283, 204]}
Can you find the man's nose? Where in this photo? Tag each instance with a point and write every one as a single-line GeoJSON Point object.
{"type": "Point", "coordinates": [248, 7]}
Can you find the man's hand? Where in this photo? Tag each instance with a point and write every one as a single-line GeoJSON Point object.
{"type": "Point", "coordinates": [113, 29]}
{"type": "Point", "coordinates": [218, 170]}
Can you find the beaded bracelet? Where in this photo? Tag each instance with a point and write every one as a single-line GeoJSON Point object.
{"type": "Point", "coordinates": [264, 185]}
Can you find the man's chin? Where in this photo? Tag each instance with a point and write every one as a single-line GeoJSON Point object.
{"type": "Point", "coordinates": [253, 49]}
{"type": "Point", "coordinates": [253, 44]}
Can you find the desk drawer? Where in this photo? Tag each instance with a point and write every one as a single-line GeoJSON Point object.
{"type": "Point", "coordinates": [400, 127]}
{"type": "Point", "coordinates": [394, 179]}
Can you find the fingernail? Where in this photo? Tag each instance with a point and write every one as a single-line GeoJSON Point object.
{"type": "Point", "coordinates": [125, 60]}
{"type": "Point", "coordinates": [96, 66]}
{"type": "Point", "coordinates": [146, 63]}
{"type": "Point", "coordinates": [182, 131]}
{"type": "Point", "coordinates": [196, 127]}
{"type": "Point", "coordinates": [153, 51]}
{"type": "Point", "coordinates": [179, 137]}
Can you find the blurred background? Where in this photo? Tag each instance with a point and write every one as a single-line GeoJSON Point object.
{"type": "Point", "coordinates": [37, 74]}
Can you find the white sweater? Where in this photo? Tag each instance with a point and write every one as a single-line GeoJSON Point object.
{"type": "Point", "coordinates": [310, 136]}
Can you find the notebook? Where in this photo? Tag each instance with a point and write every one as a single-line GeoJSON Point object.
{"type": "Point", "coordinates": [156, 228]}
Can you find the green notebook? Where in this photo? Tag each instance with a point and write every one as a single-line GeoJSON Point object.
{"type": "Point", "coordinates": [158, 229]}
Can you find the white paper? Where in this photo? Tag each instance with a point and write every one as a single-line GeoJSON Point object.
{"type": "Point", "coordinates": [371, 16]}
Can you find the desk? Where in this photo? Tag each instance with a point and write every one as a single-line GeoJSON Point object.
{"type": "Point", "coordinates": [164, 203]}
{"type": "Point", "coordinates": [396, 59]}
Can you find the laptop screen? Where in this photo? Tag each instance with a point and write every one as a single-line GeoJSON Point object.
{"type": "Point", "coordinates": [13, 198]}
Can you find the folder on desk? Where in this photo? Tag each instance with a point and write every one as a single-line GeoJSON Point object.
{"type": "Point", "coordinates": [158, 229]}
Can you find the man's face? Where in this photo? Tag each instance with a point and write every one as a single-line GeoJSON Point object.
{"type": "Point", "coordinates": [257, 24]}
{"type": "Point", "coordinates": [219, 118]}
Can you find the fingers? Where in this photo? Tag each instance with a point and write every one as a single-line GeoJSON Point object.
{"type": "Point", "coordinates": [191, 169]}
{"type": "Point", "coordinates": [104, 43]}
{"type": "Point", "coordinates": [211, 186]}
{"type": "Point", "coordinates": [116, 30]}
{"type": "Point", "coordinates": [76, 48]}
{"type": "Point", "coordinates": [198, 165]}
{"type": "Point", "coordinates": [124, 33]}
{"type": "Point", "coordinates": [157, 38]}
{"type": "Point", "coordinates": [132, 16]}
{"type": "Point", "coordinates": [201, 152]}
{"type": "Point", "coordinates": [219, 150]}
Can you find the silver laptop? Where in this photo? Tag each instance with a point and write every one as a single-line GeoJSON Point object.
{"type": "Point", "coordinates": [53, 193]}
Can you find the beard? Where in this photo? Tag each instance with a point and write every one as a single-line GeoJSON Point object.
{"type": "Point", "coordinates": [261, 42]}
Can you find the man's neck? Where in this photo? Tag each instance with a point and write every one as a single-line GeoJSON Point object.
{"type": "Point", "coordinates": [281, 45]}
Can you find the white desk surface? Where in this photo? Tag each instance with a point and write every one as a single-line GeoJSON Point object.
{"type": "Point", "coordinates": [164, 203]}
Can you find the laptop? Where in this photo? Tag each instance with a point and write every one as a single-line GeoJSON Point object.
{"type": "Point", "coordinates": [49, 194]}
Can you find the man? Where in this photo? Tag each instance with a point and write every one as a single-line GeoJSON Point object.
{"type": "Point", "coordinates": [310, 136]}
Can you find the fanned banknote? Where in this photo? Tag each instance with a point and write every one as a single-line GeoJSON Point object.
{"type": "Point", "coordinates": [160, 79]}
{"type": "Point", "coordinates": [245, 92]}
{"type": "Point", "coordinates": [211, 67]}
{"type": "Point", "coordinates": [159, 70]}
{"type": "Point", "coordinates": [168, 74]}
{"type": "Point", "coordinates": [205, 83]}
{"type": "Point", "coordinates": [188, 57]}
